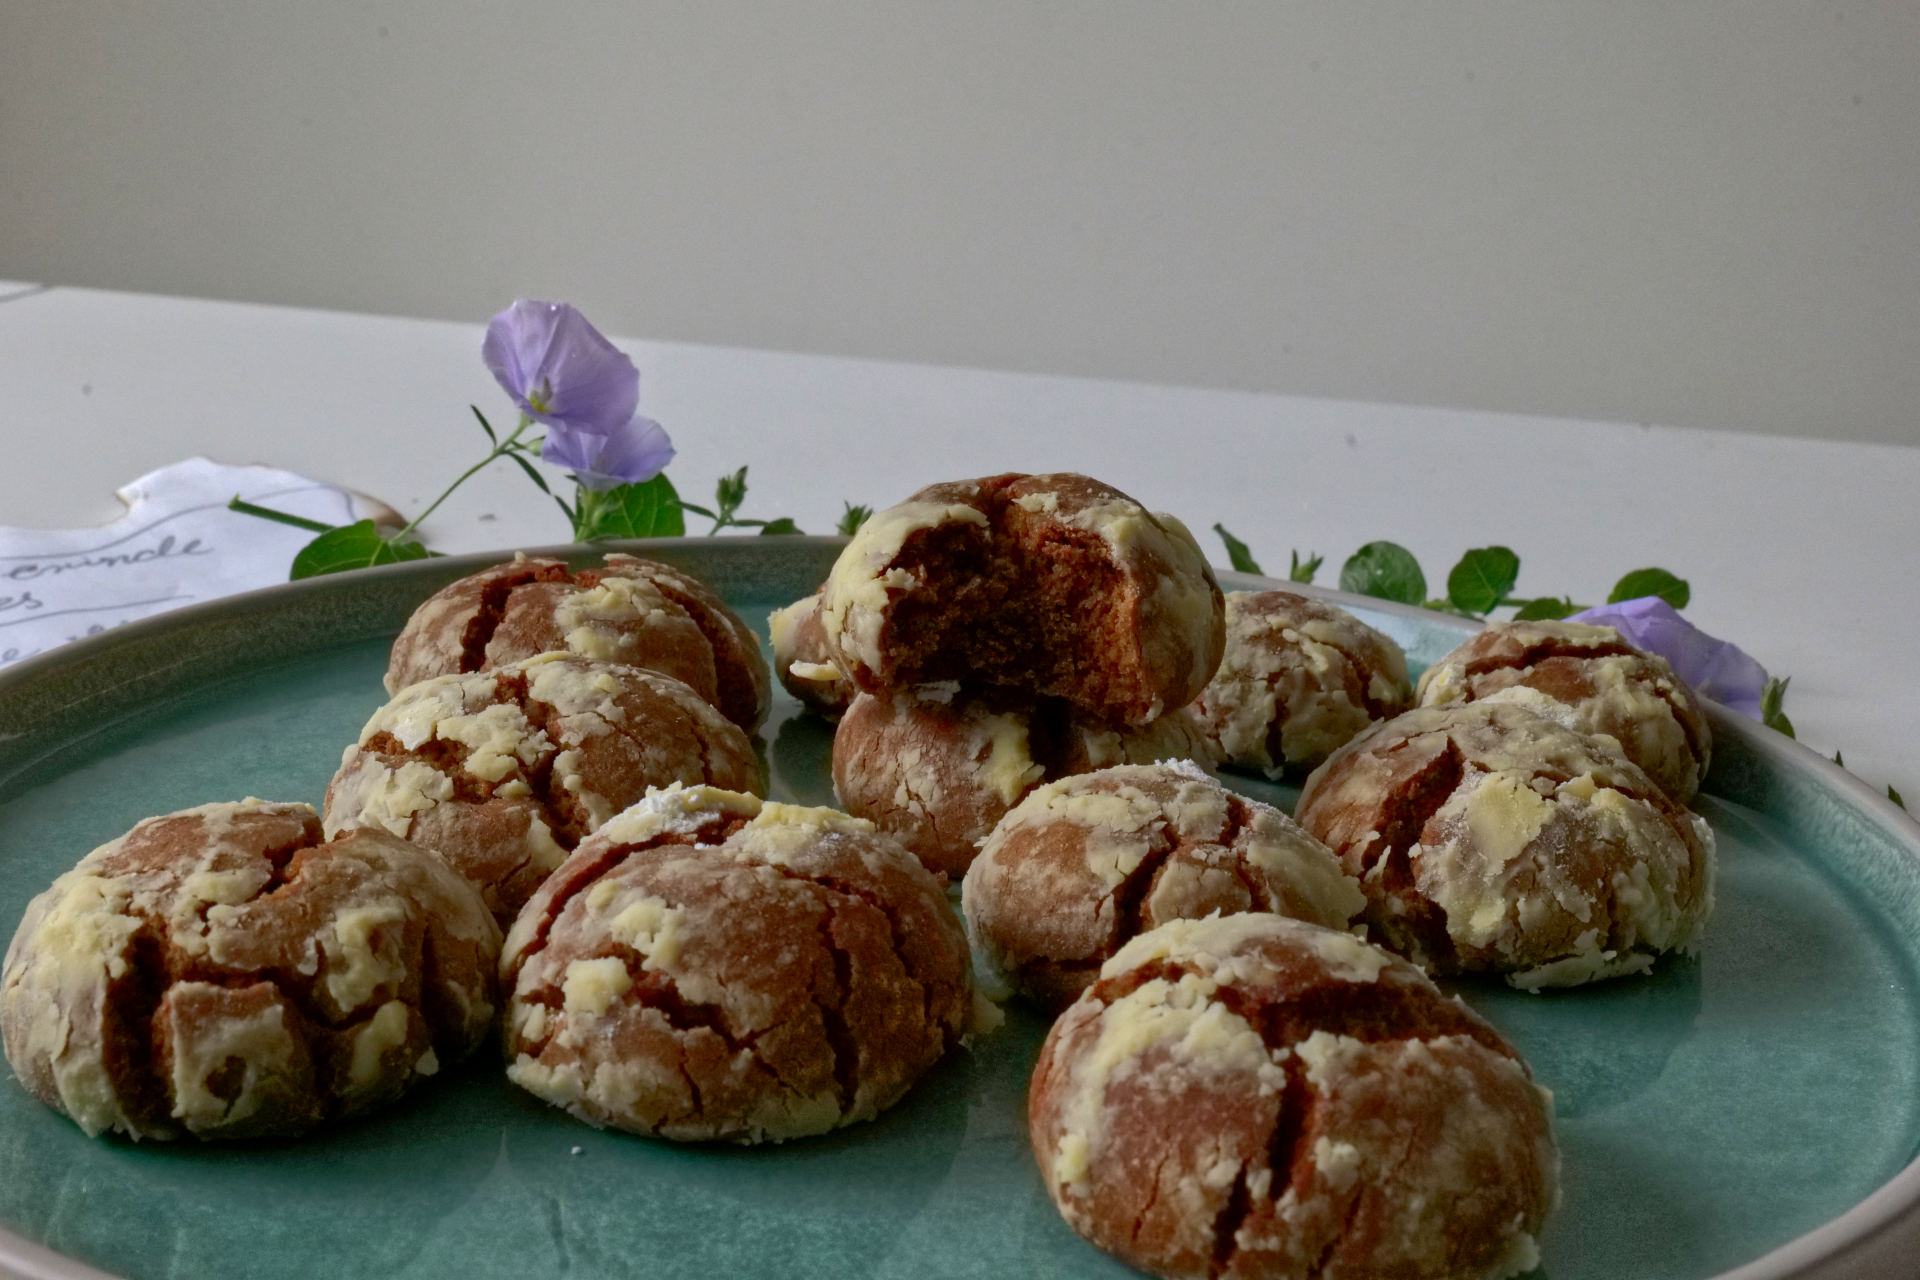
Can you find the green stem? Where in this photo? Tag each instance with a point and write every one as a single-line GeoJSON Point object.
{"type": "Point", "coordinates": [498, 451]}
{"type": "Point", "coordinates": [279, 517]}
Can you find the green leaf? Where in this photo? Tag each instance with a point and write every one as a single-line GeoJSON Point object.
{"type": "Point", "coordinates": [784, 524]}
{"type": "Point", "coordinates": [1482, 579]}
{"type": "Point", "coordinates": [1545, 607]}
{"type": "Point", "coordinates": [650, 509]}
{"type": "Point", "coordinates": [354, 546]}
{"type": "Point", "coordinates": [1837, 760]}
{"type": "Point", "coordinates": [853, 518]}
{"type": "Point", "coordinates": [1237, 554]}
{"type": "Point", "coordinates": [485, 426]}
{"type": "Point", "coordinates": [1386, 571]}
{"type": "Point", "coordinates": [1772, 695]}
{"type": "Point", "coordinates": [729, 493]}
{"type": "Point", "coordinates": [1299, 570]}
{"type": "Point", "coordinates": [1652, 582]}
{"type": "Point", "coordinates": [533, 475]}
{"type": "Point", "coordinates": [1895, 796]}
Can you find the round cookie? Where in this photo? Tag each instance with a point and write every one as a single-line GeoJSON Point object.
{"type": "Point", "coordinates": [503, 771]}
{"type": "Point", "coordinates": [1299, 679]}
{"type": "Point", "coordinates": [636, 612]}
{"type": "Point", "coordinates": [936, 772]}
{"type": "Point", "coordinates": [1083, 864]}
{"type": "Point", "coordinates": [711, 966]}
{"type": "Point", "coordinates": [1592, 681]}
{"type": "Point", "coordinates": [802, 662]}
{"type": "Point", "coordinates": [1489, 839]}
{"type": "Point", "coordinates": [1046, 586]}
{"type": "Point", "coordinates": [1251, 1096]}
{"type": "Point", "coordinates": [221, 972]}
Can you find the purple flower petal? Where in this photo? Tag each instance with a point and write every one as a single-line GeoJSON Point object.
{"type": "Point", "coordinates": [1716, 669]}
{"type": "Point", "coordinates": [559, 369]}
{"type": "Point", "coordinates": [638, 451]}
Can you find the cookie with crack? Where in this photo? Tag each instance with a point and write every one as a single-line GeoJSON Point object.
{"type": "Point", "coordinates": [1591, 680]}
{"type": "Point", "coordinates": [504, 771]}
{"type": "Point", "coordinates": [1083, 864]}
{"type": "Point", "coordinates": [712, 966]}
{"type": "Point", "coordinates": [1252, 1096]}
{"type": "Point", "coordinates": [802, 661]}
{"type": "Point", "coordinates": [936, 768]}
{"type": "Point", "coordinates": [1300, 678]}
{"type": "Point", "coordinates": [1492, 840]}
{"type": "Point", "coordinates": [631, 611]}
{"type": "Point", "coordinates": [223, 972]}
{"type": "Point", "coordinates": [1044, 586]}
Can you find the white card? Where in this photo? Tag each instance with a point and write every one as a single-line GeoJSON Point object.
{"type": "Point", "coordinates": [176, 544]}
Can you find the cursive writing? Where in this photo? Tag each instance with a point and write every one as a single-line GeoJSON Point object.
{"type": "Point", "coordinates": [168, 548]}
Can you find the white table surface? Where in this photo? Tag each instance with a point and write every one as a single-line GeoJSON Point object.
{"type": "Point", "coordinates": [1806, 553]}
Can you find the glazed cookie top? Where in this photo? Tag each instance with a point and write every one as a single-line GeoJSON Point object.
{"type": "Point", "coordinates": [504, 770]}
{"type": "Point", "coordinates": [1490, 838]}
{"type": "Point", "coordinates": [1086, 863]}
{"type": "Point", "coordinates": [1299, 679]}
{"type": "Point", "coordinates": [631, 611]}
{"type": "Point", "coordinates": [220, 971]}
{"type": "Point", "coordinates": [1591, 680]}
{"type": "Point", "coordinates": [1249, 1095]}
{"type": "Point", "coordinates": [1053, 585]}
{"type": "Point", "coordinates": [710, 965]}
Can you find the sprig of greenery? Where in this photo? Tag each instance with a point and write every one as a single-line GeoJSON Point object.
{"type": "Point", "coordinates": [852, 518]}
{"type": "Point", "coordinates": [1772, 695]}
{"type": "Point", "coordinates": [729, 495]}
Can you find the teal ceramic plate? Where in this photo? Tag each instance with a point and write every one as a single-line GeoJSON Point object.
{"type": "Point", "coordinates": [1754, 1111]}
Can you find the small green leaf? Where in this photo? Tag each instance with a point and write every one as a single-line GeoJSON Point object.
{"type": "Point", "coordinates": [354, 546]}
{"type": "Point", "coordinates": [1237, 554]}
{"type": "Point", "coordinates": [650, 509]}
{"type": "Point", "coordinates": [1652, 582]}
{"type": "Point", "coordinates": [532, 474]}
{"type": "Point", "coordinates": [1772, 695]}
{"type": "Point", "coordinates": [1386, 571]}
{"type": "Point", "coordinates": [729, 493]}
{"type": "Point", "coordinates": [853, 518]}
{"type": "Point", "coordinates": [1545, 607]}
{"type": "Point", "coordinates": [784, 524]}
{"type": "Point", "coordinates": [1482, 579]}
{"type": "Point", "coordinates": [1837, 760]}
{"type": "Point", "coordinates": [1299, 570]}
{"type": "Point", "coordinates": [485, 426]}
{"type": "Point", "coordinates": [1895, 796]}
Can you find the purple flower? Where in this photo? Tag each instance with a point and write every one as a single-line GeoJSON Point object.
{"type": "Point", "coordinates": [1715, 668]}
{"type": "Point", "coordinates": [559, 369]}
{"type": "Point", "coordinates": [638, 451]}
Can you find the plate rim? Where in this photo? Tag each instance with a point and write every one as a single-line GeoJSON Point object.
{"type": "Point", "coordinates": [1825, 1250]}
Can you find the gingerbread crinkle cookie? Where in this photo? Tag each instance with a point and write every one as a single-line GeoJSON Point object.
{"type": "Point", "coordinates": [630, 611]}
{"type": "Point", "coordinates": [222, 972]}
{"type": "Point", "coordinates": [1253, 1096]}
{"type": "Point", "coordinates": [712, 966]}
{"type": "Point", "coordinates": [502, 772]}
{"type": "Point", "coordinates": [802, 661]}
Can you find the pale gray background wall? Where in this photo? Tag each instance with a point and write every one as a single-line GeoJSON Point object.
{"type": "Point", "coordinates": [1692, 213]}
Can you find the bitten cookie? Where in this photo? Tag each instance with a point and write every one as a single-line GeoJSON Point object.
{"type": "Point", "coordinates": [1590, 680]}
{"type": "Point", "coordinates": [1300, 678]}
{"type": "Point", "coordinates": [803, 663]}
{"type": "Point", "coordinates": [1252, 1096]}
{"type": "Point", "coordinates": [1491, 840]}
{"type": "Point", "coordinates": [221, 972]}
{"type": "Point", "coordinates": [1084, 864]}
{"type": "Point", "coordinates": [503, 771]}
{"type": "Point", "coordinates": [1048, 585]}
{"type": "Point", "coordinates": [711, 966]}
{"type": "Point", "coordinates": [639, 613]}
{"type": "Point", "coordinates": [937, 772]}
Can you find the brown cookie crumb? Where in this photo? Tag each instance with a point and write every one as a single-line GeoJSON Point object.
{"type": "Point", "coordinates": [504, 771]}
{"type": "Point", "coordinates": [1252, 1096]}
{"type": "Point", "coordinates": [936, 768]}
{"type": "Point", "coordinates": [221, 972]}
{"type": "Point", "coordinates": [1084, 864]}
{"type": "Point", "coordinates": [1590, 680]}
{"type": "Point", "coordinates": [635, 612]}
{"type": "Point", "coordinates": [1491, 840]}
{"type": "Point", "coordinates": [709, 966]}
{"type": "Point", "coordinates": [1045, 586]}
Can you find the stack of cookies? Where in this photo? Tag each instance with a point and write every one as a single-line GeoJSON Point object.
{"type": "Point", "coordinates": [1001, 633]}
